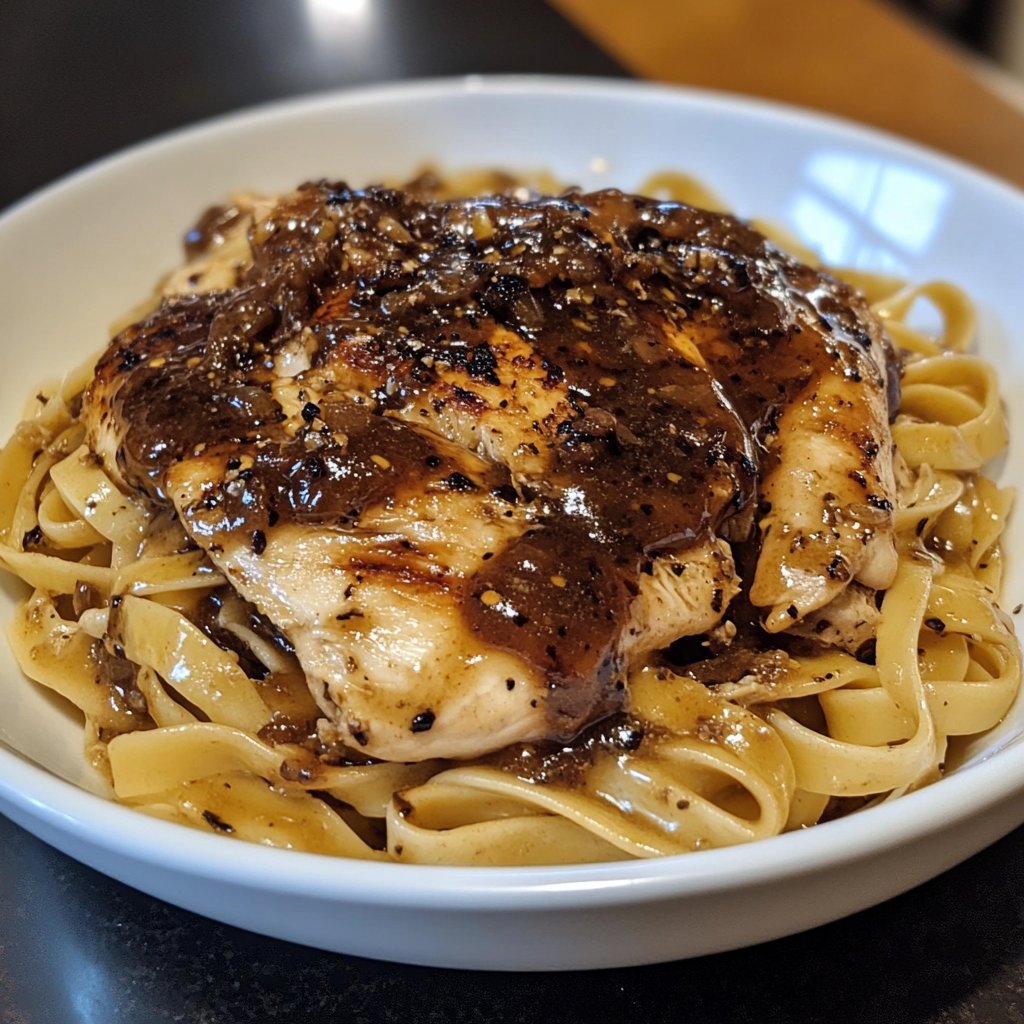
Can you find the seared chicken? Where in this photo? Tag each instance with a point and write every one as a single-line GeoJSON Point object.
{"type": "Point", "coordinates": [476, 459]}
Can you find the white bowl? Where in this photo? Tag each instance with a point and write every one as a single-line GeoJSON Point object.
{"type": "Point", "coordinates": [78, 254]}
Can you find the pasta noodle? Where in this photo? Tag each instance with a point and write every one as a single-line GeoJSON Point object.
{"type": "Point", "coordinates": [192, 715]}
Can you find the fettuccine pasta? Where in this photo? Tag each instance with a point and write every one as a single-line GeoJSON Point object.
{"type": "Point", "coordinates": [199, 710]}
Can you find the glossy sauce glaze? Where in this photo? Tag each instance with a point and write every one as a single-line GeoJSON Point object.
{"type": "Point", "coordinates": [661, 342]}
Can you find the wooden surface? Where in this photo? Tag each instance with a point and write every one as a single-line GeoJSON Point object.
{"type": "Point", "coordinates": [857, 58]}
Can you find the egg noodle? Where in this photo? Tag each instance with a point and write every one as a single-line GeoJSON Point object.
{"type": "Point", "coordinates": [187, 733]}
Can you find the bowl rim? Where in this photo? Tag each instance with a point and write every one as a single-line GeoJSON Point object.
{"type": "Point", "coordinates": [119, 829]}
{"type": "Point", "coordinates": [35, 793]}
{"type": "Point", "coordinates": [561, 87]}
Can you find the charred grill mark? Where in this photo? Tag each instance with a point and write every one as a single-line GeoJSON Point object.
{"type": "Point", "coordinates": [467, 400]}
{"type": "Point", "coordinates": [400, 570]}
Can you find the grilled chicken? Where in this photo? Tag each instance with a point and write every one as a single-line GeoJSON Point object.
{"type": "Point", "coordinates": [830, 492]}
{"type": "Point", "coordinates": [478, 458]}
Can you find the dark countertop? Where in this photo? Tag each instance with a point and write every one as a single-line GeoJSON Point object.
{"type": "Point", "coordinates": [81, 79]}
{"type": "Point", "coordinates": [77, 947]}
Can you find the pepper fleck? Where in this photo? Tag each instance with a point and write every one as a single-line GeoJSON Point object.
{"type": "Point", "coordinates": [423, 722]}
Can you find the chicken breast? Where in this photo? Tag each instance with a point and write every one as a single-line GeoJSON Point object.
{"type": "Point", "coordinates": [477, 458]}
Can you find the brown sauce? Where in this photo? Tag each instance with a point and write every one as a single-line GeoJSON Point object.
{"type": "Point", "coordinates": [657, 453]}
